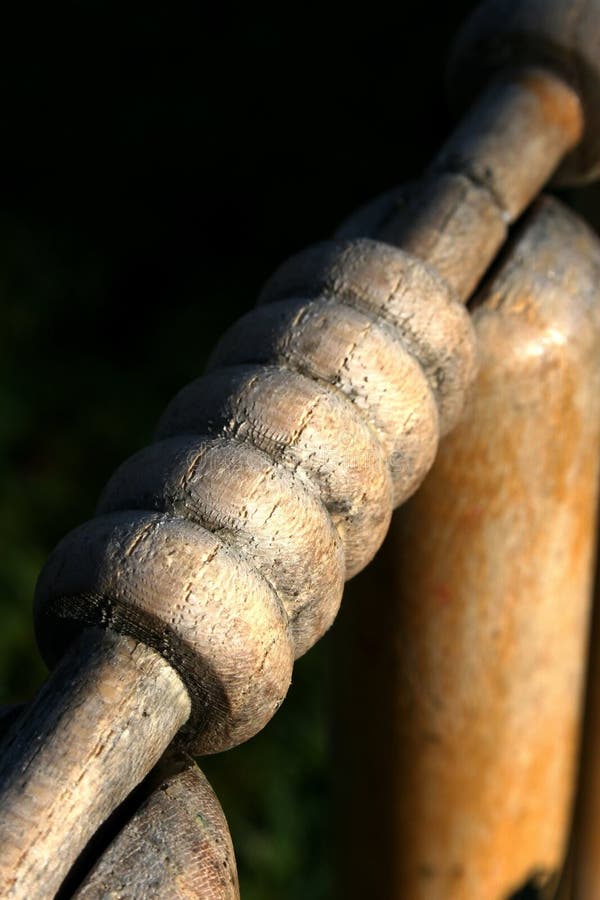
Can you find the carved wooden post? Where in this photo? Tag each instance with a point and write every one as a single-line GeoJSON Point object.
{"type": "Point", "coordinates": [464, 643]}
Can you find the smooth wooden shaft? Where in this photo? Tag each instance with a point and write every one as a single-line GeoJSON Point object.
{"type": "Point", "coordinates": [488, 171]}
{"type": "Point", "coordinates": [97, 727]}
{"type": "Point", "coordinates": [170, 838]}
{"type": "Point", "coordinates": [463, 645]}
{"type": "Point", "coordinates": [514, 137]}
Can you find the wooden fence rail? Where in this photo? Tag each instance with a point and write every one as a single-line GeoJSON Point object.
{"type": "Point", "coordinates": [218, 554]}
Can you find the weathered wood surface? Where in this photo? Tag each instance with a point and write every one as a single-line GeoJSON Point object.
{"type": "Point", "coordinates": [462, 648]}
{"type": "Point", "coordinates": [177, 845]}
{"type": "Point", "coordinates": [444, 218]}
{"type": "Point", "coordinates": [492, 166]}
{"type": "Point", "coordinates": [170, 839]}
{"type": "Point", "coordinates": [315, 418]}
{"type": "Point", "coordinates": [340, 405]}
{"type": "Point", "coordinates": [199, 597]}
{"type": "Point", "coordinates": [95, 729]}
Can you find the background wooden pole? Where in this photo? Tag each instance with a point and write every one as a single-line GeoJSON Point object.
{"type": "Point", "coordinates": [461, 649]}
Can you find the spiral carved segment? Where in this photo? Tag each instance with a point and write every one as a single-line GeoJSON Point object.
{"type": "Point", "coordinates": [225, 544]}
{"type": "Point", "coordinates": [394, 286]}
{"type": "Point", "coordinates": [307, 427]}
{"type": "Point", "coordinates": [260, 508]}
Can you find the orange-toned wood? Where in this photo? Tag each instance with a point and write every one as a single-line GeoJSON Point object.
{"type": "Point", "coordinates": [582, 881]}
{"type": "Point", "coordinates": [462, 647]}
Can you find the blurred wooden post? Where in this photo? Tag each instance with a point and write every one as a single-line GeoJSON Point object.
{"type": "Point", "coordinates": [582, 880]}
{"type": "Point", "coordinates": [461, 648]}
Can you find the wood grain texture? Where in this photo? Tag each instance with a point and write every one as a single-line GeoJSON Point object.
{"type": "Point", "coordinates": [512, 139]}
{"type": "Point", "coordinates": [445, 219]}
{"type": "Point", "coordinates": [306, 427]}
{"type": "Point", "coordinates": [361, 356]}
{"type": "Point", "coordinates": [97, 727]}
{"type": "Point", "coordinates": [257, 506]}
{"type": "Point", "coordinates": [392, 284]}
{"type": "Point", "coordinates": [138, 571]}
{"type": "Point", "coordinates": [180, 589]}
{"type": "Point", "coordinates": [467, 682]}
{"type": "Point", "coordinates": [492, 166]}
{"type": "Point", "coordinates": [177, 845]}
{"type": "Point", "coordinates": [323, 400]}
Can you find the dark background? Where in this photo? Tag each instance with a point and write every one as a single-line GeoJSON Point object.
{"type": "Point", "coordinates": [157, 162]}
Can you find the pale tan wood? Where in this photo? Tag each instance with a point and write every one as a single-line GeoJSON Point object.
{"type": "Point", "coordinates": [393, 285]}
{"type": "Point", "coordinates": [456, 226]}
{"type": "Point", "coordinates": [177, 844]}
{"type": "Point", "coordinates": [308, 428]}
{"type": "Point", "coordinates": [463, 645]}
{"type": "Point", "coordinates": [266, 511]}
{"type": "Point", "coordinates": [363, 358]}
{"type": "Point", "coordinates": [182, 590]}
{"type": "Point", "coordinates": [491, 167]}
{"type": "Point", "coordinates": [174, 841]}
{"type": "Point", "coordinates": [96, 728]}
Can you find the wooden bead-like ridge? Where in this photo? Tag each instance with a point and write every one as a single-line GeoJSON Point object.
{"type": "Point", "coordinates": [445, 219]}
{"type": "Point", "coordinates": [260, 507]}
{"type": "Point", "coordinates": [403, 291]}
{"type": "Point", "coordinates": [179, 589]}
{"type": "Point", "coordinates": [344, 347]}
{"type": "Point", "coordinates": [306, 426]}
{"type": "Point", "coordinates": [226, 543]}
